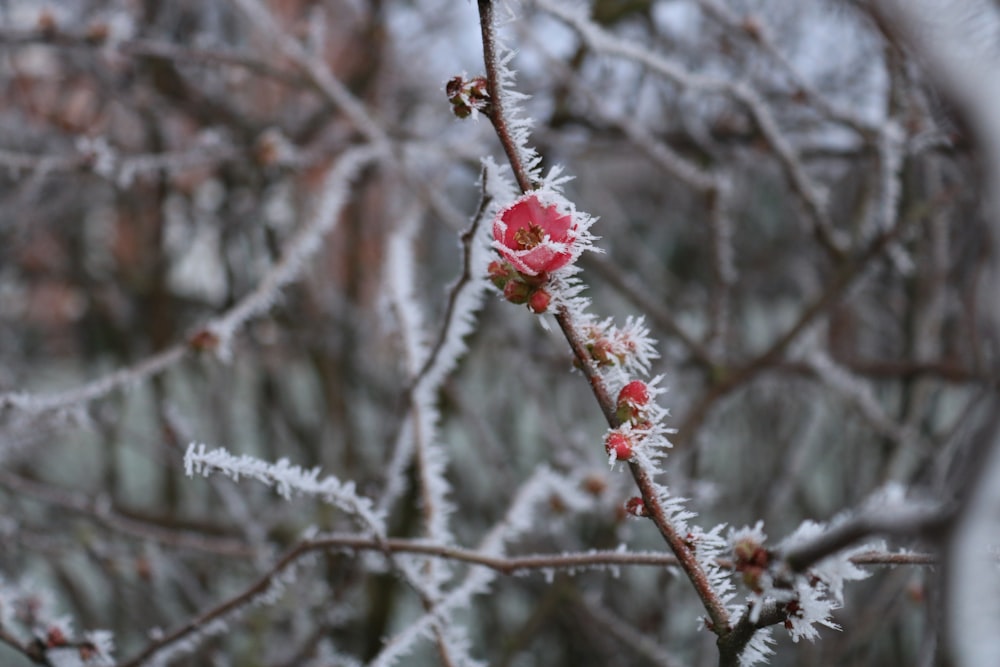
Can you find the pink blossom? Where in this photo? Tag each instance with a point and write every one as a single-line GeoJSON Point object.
{"type": "Point", "coordinates": [535, 238]}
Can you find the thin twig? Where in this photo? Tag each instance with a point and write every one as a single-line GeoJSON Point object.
{"type": "Point", "coordinates": [835, 289]}
{"type": "Point", "coordinates": [909, 521]}
{"type": "Point", "coordinates": [104, 513]}
{"type": "Point", "coordinates": [467, 238]}
{"type": "Point", "coordinates": [487, 22]}
{"type": "Point", "coordinates": [504, 565]}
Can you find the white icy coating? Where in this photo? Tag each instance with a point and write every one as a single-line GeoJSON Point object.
{"type": "Point", "coordinates": [286, 480]}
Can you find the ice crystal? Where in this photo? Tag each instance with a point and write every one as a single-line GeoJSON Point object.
{"type": "Point", "coordinates": [758, 649]}
{"type": "Point", "coordinates": [808, 598]}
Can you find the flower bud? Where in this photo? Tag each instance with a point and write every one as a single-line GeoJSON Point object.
{"type": "Point", "coordinates": [601, 351]}
{"type": "Point", "coordinates": [204, 340]}
{"type": "Point", "coordinates": [467, 97]}
{"type": "Point", "coordinates": [619, 445]}
{"type": "Point", "coordinates": [516, 291]}
{"type": "Point", "coordinates": [636, 506]}
{"type": "Point", "coordinates": [500, 273]}
{"type": "Point", "coordinates": [539, 301]}
{"type": "Point", "coordinates": [631, 400]}
{"type": "Point", "coordinates": [751, 560]}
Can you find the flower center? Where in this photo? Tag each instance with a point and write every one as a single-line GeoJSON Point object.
{"type": "Point", "coordinates": [528, 237]}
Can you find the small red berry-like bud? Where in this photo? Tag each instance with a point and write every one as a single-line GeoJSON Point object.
{"type": "Point", "coordinates": [618, 443]}
{"type": "Point", "coordinates": [751, 553]}
{"type": "Point", "coordinates": [634, 393]}
{"type": "Point", "coordinates": [631, 399]}
{"type": "Point", "coordinates": [499, 273]}
{"type": "Point", "coordinates": [516, 291]}
{"type": "Point", "coordinates": [557, 504]}
{"type": "Point", "coordinates": [636, 507]}
{"type": "Point", "coordinates": [539, 301]}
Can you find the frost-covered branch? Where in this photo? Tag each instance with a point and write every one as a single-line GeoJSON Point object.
{"type": "Point", "coordinates": [299, 249]}
{"type": "Point", "coordinates": [187, 636]}
{"type": "Point", "coordinates": [510, 129]}
{"type": "Point", "coordinates": [97, 37]}
{"type": "Point", "coordinates": [755, 29]}
{"type": "Point", "coordinates": [808, 190]}
{"type": "Point", "coordinates": [906, 521]}
{"type": "Point", "coordinates": [101, 510]}
{"type": "Point", "coordinates": [519, 518]}
{"type": "Point", "coordinates": [465, 296]}
{"type": "Point", "coordinates": [217, 333]}
{"type": "Point", "coordinates": [318, 72]}
{"type": "Point", "coordinates": [287, 479]}
{"type": "Point", "coordinates": [821, 305]}
{"type": "Point", "coordinates": [571, 317]}
{"type": "Point", "coordinates": [31, 626]}
{"type": "Point", "coordinates": [96, 389]}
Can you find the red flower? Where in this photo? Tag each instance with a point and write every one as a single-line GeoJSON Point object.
{"type": "Point", "coordinates": [534, 237]}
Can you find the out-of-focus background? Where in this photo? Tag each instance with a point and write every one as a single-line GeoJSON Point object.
{"type": "Point", "coordinates": [781, 193]}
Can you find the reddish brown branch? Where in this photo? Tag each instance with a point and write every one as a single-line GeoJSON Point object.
{"type": "Point", "coordinates": [487, 24]}
{"type": "Point", "coordinates": [685, 555]}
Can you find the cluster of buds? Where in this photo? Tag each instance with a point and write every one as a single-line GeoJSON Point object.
{"type": "Point", "coordinates": [631, 409]}
{"type": "Point", "coordinates": [751, 560]}
{"type": "Point", "coordinates": [534, 239]}
{"type": "Point", "coordinates": [519, 288]}
{"type": "Point", "coordinates": [467, 97]}
{"type": "Point", "coordinates": [57, 637]}
{"type": "Point", "coordinates": [609, 346]}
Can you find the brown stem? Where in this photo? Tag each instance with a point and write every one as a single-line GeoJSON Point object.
{"type": "Point", "coordinates": [717, 613]}
{"type": "Point", "coordinates": [685, 555]}
{"type": "Point", "coordinates": [496, 114]}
